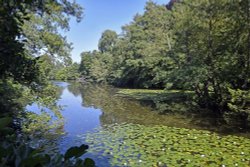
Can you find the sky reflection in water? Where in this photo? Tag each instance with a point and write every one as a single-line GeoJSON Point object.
{"type": "Point", "coordinates": [87, 107]}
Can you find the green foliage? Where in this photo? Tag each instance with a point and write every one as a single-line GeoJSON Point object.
{"type": "Point", "coordinates": [140, 56]}
{"type": "Point", "coordinates": [29, 29]}
{"type": "Point", "coordinates": [24, 156]}
{"type": "Point", "coordinates": [238, 100]}
{"type": "Point", "coordinates": [96, 66]}
{"type": "Point", "coordinates": [9, 93]}
{"type": "Point", "coordinates": [75, 151]}
{"type": "Point", "coordinates": [150, 94]}
{"type": "Point", "coordinates": [163, 101]}
{"type": "Point", "coordinates": [207, 63]}
{"type": "Point", "coordinates": [86, 62]}
{"type": "Point", "coordinates": [136, 58]}
{"type": "Point", "coordinates": [17, 65]}
{"type": "Point", "coordinates": [16, 61]}
{"type": "Point", "coordinates": [107, 41]}
{"type": "Point", "coordinates": [41, 31]}
{"type": "Point", "coordinates": [24, 148]}
{"type": "Point", "coordinates": [202, 46]}
{"type": "Point", "coordinates": [55, 70]}
{"type": "Point", "coordinates": [15, 149]}
{"type": "Point", "coordinates": [69, 72]}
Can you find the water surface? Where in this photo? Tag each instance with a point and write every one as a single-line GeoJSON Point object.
{"type": "Point", "coordinates": [123, 132]}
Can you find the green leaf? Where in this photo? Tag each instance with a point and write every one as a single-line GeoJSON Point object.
{"type": "Point", "coordinates": [75, 151]}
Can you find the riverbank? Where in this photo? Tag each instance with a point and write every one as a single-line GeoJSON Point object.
{"type": "Point", "coordinates": [181, 102]}
{"type": "Point", "coordinates": [156, 94]}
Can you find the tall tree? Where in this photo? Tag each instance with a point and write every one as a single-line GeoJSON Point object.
{"type": "Point", "coordinates": [20, 81]}
{"type": "Point", "coordinates": [107, 41]}
{"type": "Point", "coordinates": [208, 64]}
{"type": "Point", "coordinates": [37, 18]}
{"type": "Point", "coordinates": [147, 41]}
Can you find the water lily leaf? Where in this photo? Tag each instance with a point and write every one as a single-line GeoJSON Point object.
{"type": "Point", "coordinates": [76, 151]}
{"type": "Point", "coordinates": [172, 146]}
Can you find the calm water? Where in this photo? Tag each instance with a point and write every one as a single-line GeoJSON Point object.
{"type": "Point", "coordinates": [93, 114]}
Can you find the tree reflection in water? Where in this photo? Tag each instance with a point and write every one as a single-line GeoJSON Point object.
{"type": "Point", "coordinates": [116, 109]}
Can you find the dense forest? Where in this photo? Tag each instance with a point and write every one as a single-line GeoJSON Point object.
{"type": "Point", "coordinates": [200, 46]}
{"type": "Point", "coordinates": [197, 46]}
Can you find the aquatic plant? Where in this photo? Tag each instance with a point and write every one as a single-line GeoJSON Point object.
{"type": "Point", "coordinates": [139, 145]}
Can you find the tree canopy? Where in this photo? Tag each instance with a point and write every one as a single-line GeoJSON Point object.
{"type": "Point", "coordinates": [202, 46]}
{"type": "Point", "coordinates": [30, 45]}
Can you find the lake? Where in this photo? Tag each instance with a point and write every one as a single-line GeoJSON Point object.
{"type": "Point", "coordinates": [126, 132]}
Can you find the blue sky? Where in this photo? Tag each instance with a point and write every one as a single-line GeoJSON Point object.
{"type": "Point", "coordinates": [100, 15]}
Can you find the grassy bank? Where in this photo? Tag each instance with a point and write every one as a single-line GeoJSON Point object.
{"type": "Point", "coordinates": [151, 94]}
{"type": "Point", "coordinates": [163, 101]}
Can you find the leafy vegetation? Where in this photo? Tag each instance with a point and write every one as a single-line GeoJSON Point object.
{"type": "Point", "coordinates": [150, 94]}
{"type": "Point", "coordinates": [198, 46]}
{"type": "Point", "coordinates": [29, 39]}
{"type": "Point", "coordinates": [163, 101]}
{"type": "Point", "coordinates": [139, 145]}
{"type": "Point", "coordinates": [56, 70]}
{"type": "Point", "coordinates": [201, 49]}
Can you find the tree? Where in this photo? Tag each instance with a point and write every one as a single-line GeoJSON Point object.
{"type": "Point", "coordinates": [21, 79]}
{"type": "Point", "coordinates": [201, 46]}
{"type": "Point", "coordinates": [146, 42]}
{"type": "Point", "coordinates": [207, 62]}
{"type": "Point", "coordinates": [95, 66]}
{"type": "Point", "coordinates": [41, 32]}
{"type": "Point", "coordinates": [86, 62]}
{"type": "Point", "coordinates": [171, 3]}
{"type": "Point", "coordinates": [69, 72]}
{"type": "Point", "coordinates": [107, 41]}
{"type": "Point", "coordinates": [14, 17]}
